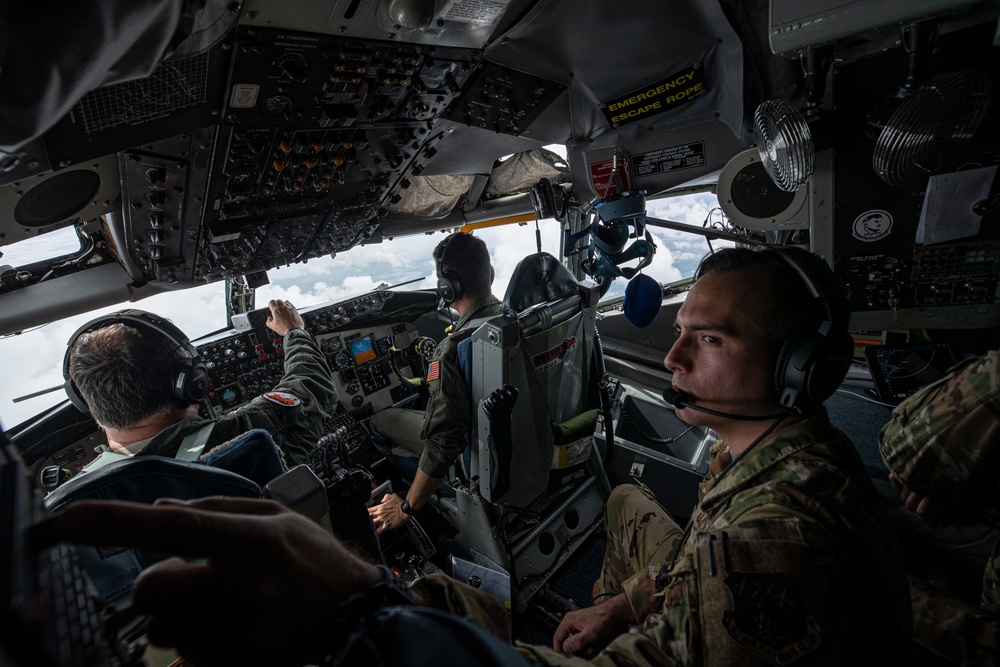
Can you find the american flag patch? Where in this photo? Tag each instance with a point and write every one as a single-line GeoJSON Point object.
{"type": "Point", "coordinates": [434, 371]}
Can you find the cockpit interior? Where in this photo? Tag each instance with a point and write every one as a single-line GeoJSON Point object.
{"type": "Point", "coordinates": [221, 142]}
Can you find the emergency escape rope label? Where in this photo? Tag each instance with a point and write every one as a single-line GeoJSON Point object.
{"type": "Point", "coordinates": [656, 98]}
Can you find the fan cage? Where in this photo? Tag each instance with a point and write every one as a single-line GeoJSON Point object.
{"type": "Point", "coordinates": [785, 144]}
{"type": "Point", "coordinates": [930, 127]}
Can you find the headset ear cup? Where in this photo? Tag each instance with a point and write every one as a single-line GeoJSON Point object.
{"type": "Point", "coordinates": [75, 398]}
{"type": "Point", "coordinates": [450, 287]}
{"type": "Point", "coordinates": [445, 292]}
{"type": "Point", "coordinates": [831, 366]}
{"type": "Point", "coordinates": [199, 383]}
{"type": "Point", "coordinates": [810, 367]}
{"type": "Point", "coordinates": [493, 274]}
{"type": "Point", "coordinates": [788, 382]}
{"type": "Point", "coordinates": [190, 382]}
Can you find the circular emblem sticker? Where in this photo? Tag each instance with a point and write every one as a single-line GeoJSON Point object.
{"type": "Point", "coordinates": [872, 226]}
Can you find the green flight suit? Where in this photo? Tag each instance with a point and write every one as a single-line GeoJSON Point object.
{"type": "Point", "coordinates": [943, 442]}
{"type": "Point", "coordinates": [295, 429]}
{"type": "Point", "coordinates": [790, 557]}
{"type": "Point", "coordinates": [447, 418]}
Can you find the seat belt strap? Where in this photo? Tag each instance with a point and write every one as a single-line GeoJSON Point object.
{"type": "Point", "coordinates": [194, 443]}
{"type": "Point", "coordinates": [103, 459]}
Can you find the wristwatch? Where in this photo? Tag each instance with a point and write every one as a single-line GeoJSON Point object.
{"type": "Point", "coordinates": [405, 508]}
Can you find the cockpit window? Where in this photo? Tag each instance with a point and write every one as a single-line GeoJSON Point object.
{"type": "Point", "coordinates": [677, 252]}
{"type": "Point", "coordinates": [51, 246]}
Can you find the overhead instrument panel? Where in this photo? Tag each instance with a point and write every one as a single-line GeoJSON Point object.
{"type": "Point", "coordinates": [365, 340]}
{"type": "Point", "coordinates": [293, 78]}
{"type": "Point", "coordinates": [318, 132]}
{"type": "Point", "coordinates": [275, 145]}
{"type": "Point", "coordinates": [503, 100]}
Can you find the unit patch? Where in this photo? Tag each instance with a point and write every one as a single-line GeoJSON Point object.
{"type": "Point", "coordinates": [550, 358]}
{"type": "Point", "coordinates": [663, 95]}
{"type": "Point", "coordinates": [767, 617]}
{"type": "Point", "coordinates": [282, 398]}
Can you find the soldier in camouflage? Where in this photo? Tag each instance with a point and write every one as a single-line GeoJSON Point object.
{"type": "Point", "coordinates": [438, 435]}
{"type": "Point", "coordinates": [787, 556]}
{"type": "Point", "coordinates": [942, 448]}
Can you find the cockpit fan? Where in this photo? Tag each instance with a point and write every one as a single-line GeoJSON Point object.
{"type": "Point", "coordinates": [930, 127]}
{"type": "Point", "coordinates": [785, 144]}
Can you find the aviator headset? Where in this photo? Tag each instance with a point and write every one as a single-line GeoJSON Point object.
{"type": "Point", "coordinates": [449, 283]}
{"type": "Point", "coordinates": [189, 380]}
{"type": "Point", "coordinates": [813, 358]}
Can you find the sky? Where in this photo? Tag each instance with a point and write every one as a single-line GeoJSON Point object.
{"type": "Point", "coordinates": [32, 361]}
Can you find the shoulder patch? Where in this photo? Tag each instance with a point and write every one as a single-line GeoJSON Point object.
{"type": "Point", "coordinates": [434, 371]}
{"type": "Point", "coordinates": [768, 618]}
{"type": "Point", "coordinates": [282, 398]}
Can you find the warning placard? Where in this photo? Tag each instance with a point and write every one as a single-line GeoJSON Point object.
{"type": "Point", "coordinates": [666, 94]}
{"type": "Point", "coordinates": [483, 12]}
{"type": "Point", "coordinates": [604, 179]}
{"type": "Point", "coordinates": [673, 158]}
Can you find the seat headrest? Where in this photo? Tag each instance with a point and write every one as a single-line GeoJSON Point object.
{"type": "Point", "coordinates": [145, 479]}
{"type": "Point", "coordinates": [537, 278]}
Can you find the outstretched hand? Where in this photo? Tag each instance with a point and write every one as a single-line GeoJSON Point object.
{"type": "Point", "coordinates": [283, 317]}
{"type": "Point", "coordinates": [266, 593]}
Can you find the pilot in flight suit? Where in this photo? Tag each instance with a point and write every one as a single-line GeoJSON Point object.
{"type": "Point", "coordinates": [943, 445]}
{"type": "Point", "coordinates": [293, 412]}
{"type": "Point", "coordinates": [439, 434]}
{"type": "Point", "coordinates": [443, 426]}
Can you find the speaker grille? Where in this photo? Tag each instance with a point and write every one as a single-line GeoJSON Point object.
{"type": "Point", "coordinates": [57, 199]}
{"type": "Point", "coordinates": [755, 194]}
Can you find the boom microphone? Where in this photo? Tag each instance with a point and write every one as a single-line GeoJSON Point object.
{"type": "Point", "coordinates": [679, 400]}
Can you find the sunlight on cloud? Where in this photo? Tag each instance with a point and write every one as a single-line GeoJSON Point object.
{"type": "Point", "coordinates": [35, 357]}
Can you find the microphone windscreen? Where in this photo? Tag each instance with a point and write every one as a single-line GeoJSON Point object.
{"type": "Point", "coordinates": [673, 397]}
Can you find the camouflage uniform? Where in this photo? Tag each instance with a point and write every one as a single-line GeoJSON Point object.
{"type": "Point", "coordinates": [642, 537]}
{"type": "Point", "coordinates": [447, 419]}
{"type": "Point", "coordinates": [944, 442]}
{"type": "Point", "coordinates": [295, 428]}
{"type": "Point", "coordinates": [789, 558]}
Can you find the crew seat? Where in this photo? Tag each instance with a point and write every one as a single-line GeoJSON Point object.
{"type": "Point", "coordinates": [249, 466]}
{"type": "Point", "coordinates": [537, 484]}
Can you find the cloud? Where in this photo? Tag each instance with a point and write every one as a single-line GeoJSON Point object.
{"type": "Point", "coordinates": [32, 361]}
{"type": "Point", "coordinates": [52, 244]}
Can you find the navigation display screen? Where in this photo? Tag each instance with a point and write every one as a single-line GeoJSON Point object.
{"type": "Point", "coordinates": [900, 370]}
{"type": "Point", "coordinates": [363, 350]}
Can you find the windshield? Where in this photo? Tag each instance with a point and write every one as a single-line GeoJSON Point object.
{"type": "Point", "coordinates": [677, 253]}
{"type": "Point", "coordinates": [49, 246]}
{"type": "Point", "coordinates": [34, 358]}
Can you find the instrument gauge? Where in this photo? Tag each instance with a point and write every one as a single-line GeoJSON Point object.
{"type": "Point", "coordinates": [425, 347]}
